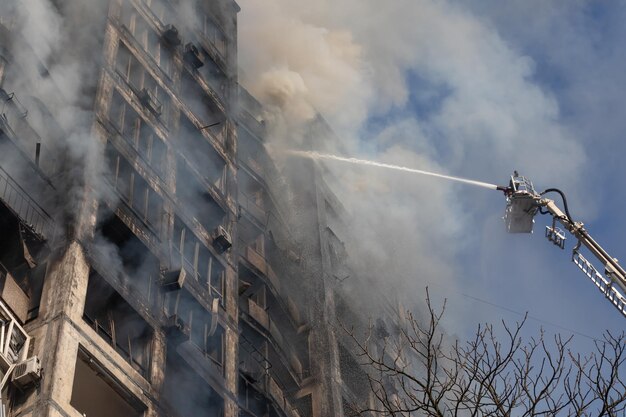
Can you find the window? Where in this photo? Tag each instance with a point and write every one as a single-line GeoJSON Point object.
{"type": "Point", "coordinates": [252, 402]}
{"type": "Point", "coordinates": [93, 394]}
{"type": "Point", "coordinates": [202, 154]}
{"type": "Point", "coordinates": [214, 76]}
{"type": "Point", "coordinates": [138, 133]}
{"type": "Point", "coordinates": [147, 36]}
{"type": "Point", "coordinates": [159, 8]}
{"type": "Point", "coordinates": [118, 323]}
{"type": "Point", "coordinates": [199, 321]}
{"type": "Point", "coordinates": [215, 35]}
{"type": "Point", "coordinates": [139, 269]}
{"type": "Point", "coordinates": [197, 260]}
{"type": "Point", "coordinates": [203, 107]}
{"type": "Point", "coordinates": [151, 95]}
{"type": "Point", "coordinates": [196, 199]}
{"type": "Point", "coordinates": [134, 190]}
{"type": "Point", "coordinates": [186, 393]}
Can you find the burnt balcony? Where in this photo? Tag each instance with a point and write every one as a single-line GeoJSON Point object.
{"type": "Point", "coordinates": [259, 262]}
{"type": "Point", "coordinates": [250, 204]}
{"type": "Point", "coordinates": [25, 207]}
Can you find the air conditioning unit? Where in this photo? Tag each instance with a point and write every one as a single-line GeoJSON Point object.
{"type": "Point", "coordinates": [173, 280]}
{"type": "Point", "coordinates": [26, 372]}
{"type": "Point", "coordinates": [221, 239]}
{"type": "Point", "coordinates": [192, 56]}
{"type": "Point", "coordinates": [176, 329]}
{"type": "Point", "coordinates": [147, 99]}
{"type": "Point", "coordinates": [171, 36]}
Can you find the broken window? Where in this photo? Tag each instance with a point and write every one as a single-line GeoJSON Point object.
{"type": "Point", "coordinates": [203, 107]}
{"type": "Point", "coordinates": [205, 333]}
{"type": "Point", "coordinates": [198, 150]}
{"type": "Point", "coordinates": [147, 36]}
{"type": "Point", "coordinates": [95, 392]}
{"type": "Point", "coordinates": [186, 393]}
{"type": "Point", "coordinates": [252, 197]}
{"type": "Point", "coordinates": [22, 265]}
{"type": "Point", "coordinates": [134, 189]}
{"type": "Point", "coordinates": [252, 402]}
{"type": "Point", "coordinates": [129, 261]}
{"type": "Point", "coordinates": [214, 76]}
{"type": "Point", "coordinates": [148, 91]}
{"type": "Point", "coordinates": [196, 199]}
{"type": "Point", "coordinates": [197, 260]}
{"type": "Point", "coordinates": [118, 323]}
{"type": "Point", "coordinates": [138, 133]}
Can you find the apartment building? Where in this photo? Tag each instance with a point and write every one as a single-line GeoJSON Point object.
{"type": "Point", "coordinates": [150, 260]}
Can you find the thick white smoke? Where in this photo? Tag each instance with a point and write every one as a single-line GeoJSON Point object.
{"type": "Point", "coordinates": [425, 84]}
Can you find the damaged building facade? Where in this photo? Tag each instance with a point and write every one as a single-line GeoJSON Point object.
{"type": "Point", "coordinates": [148, 264]}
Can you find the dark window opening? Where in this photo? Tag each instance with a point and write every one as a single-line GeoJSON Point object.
{"type": "Point", "coordinates": [200, 322]}
{"type": "Point", "coordinates": [134, 190]}
{"type": "Point", "coordinates": [214, 76]}
{"type": "Point", "coordinates": [23, 263]}
{"type": "Point", "coordinates": [147, 36]}
{"type": "Point", "coordinates": [253, 402]}
{"type": "Point", "coordinates": [203, 107]}
{"type": "Point", "coordinates": [187, 394]}
{"type": "Point", "coordinates": [305, 406]}
{"type": "Point", "coordinates": [148, 91]}
{"type": "Point", "coordinates": [202, 155]}
{"type": "Point", "coordinates": [118, 323]}
{"type": "Point", "coordinates": [252, 197]}
{"type": "Point", "coordinates": [253, 363]}
{"type": "Point", "coordinates": [138, 133]}
{"type": "Point", "coordinates": [196, 199]}
{"type": "Point", "coordinates": [95, 393]}
{"type": "Point", "coordinates": [128, 261]}
{"type": "Point", "coordinates": [197, 260]}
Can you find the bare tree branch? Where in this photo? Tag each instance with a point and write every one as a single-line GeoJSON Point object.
{"type": "Point", "coordinates": [419, 371]}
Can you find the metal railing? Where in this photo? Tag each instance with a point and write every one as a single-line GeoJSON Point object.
{"type": "Point", "coordinates": [24, 206]}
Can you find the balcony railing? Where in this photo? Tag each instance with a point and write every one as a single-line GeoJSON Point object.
{"type": "Point", "coordinates": [24, 206]}
{"type": "Point", "coordinates": [250, 205]}
{"type": "Point", "coordinates": [258, 313]}
{"type": "Point", "coordinates": [279, 397]}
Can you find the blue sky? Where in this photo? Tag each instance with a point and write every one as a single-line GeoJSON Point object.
{"type": "Point", "coordinates": [473, 89]}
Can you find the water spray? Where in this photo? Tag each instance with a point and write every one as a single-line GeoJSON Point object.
{"type": "Point", "coordinates": [317, 155]}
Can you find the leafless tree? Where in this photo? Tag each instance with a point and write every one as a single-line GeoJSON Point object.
{"type": "Point", "coordinates": [414, 370]}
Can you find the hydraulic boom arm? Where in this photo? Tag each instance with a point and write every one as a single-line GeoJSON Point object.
{"type": "Point", "coordinates": [523, 203]}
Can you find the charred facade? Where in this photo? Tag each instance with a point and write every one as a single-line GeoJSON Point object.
{"type": "Point", "coordinates": [150, 262]}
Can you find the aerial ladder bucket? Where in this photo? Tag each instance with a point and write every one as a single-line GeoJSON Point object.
{"type": "Point", "coordinates": [522, 205]}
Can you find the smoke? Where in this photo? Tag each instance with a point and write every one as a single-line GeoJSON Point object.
{"type": "Point", "coordinates": [54, 68]}
{"type": "Point", "coordinates": [413, 83]}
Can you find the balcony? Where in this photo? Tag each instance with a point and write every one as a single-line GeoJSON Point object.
{"type": "Point", "coordinates": [24, 206]}
{"type": "Point", "coordinates": [259, 314]}
{"type": "Point", "coordinates": [279, 397]}
{"type": "Point", "coordinates": [250, 205]}
{"type": "Point", "coordinates": [258, 261]}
